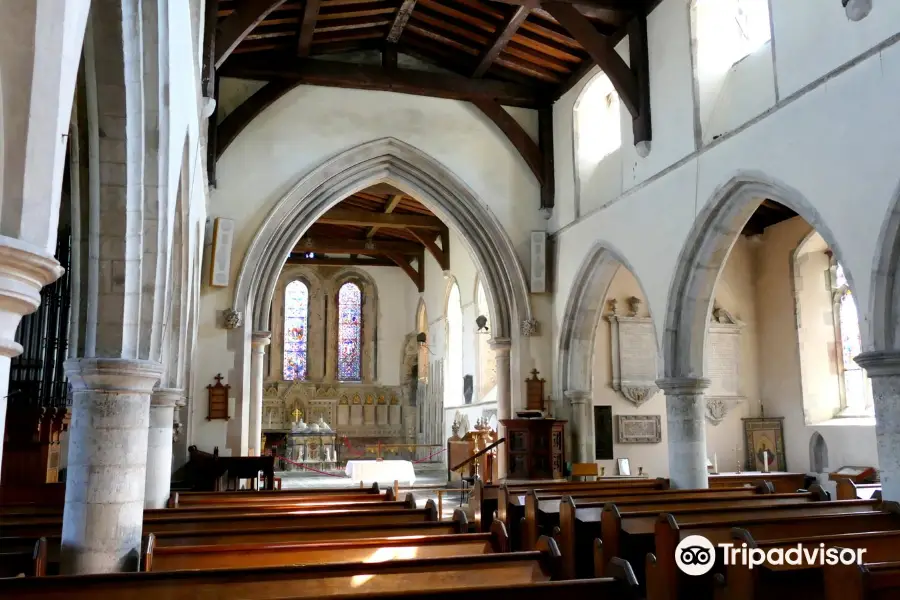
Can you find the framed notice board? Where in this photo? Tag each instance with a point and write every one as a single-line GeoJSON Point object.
{"type": "Point", "coordinates": [603, 433]}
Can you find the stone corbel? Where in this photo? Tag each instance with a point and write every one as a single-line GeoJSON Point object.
{"type": "Point", "coordinates": [718, 407]}
{"type": "Point", "coordinates": [232, 319]}
{"type": "Point", "coordinates": [637, 394]}
{"type": "Point", "coordinates": [529, 327]}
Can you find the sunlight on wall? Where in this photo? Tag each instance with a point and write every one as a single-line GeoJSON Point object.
{"type": "Point", "coordinates": [453, 386]}
{"type": "Point", "coordinates": [597, 122]}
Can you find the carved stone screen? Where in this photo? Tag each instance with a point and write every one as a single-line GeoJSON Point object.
{"type": "Point", "coordinates": [633, 357]}
{"type": "Point", "coordinates": [603, 433]}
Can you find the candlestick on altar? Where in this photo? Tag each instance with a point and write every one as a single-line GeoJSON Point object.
{"type": "Point", "coordinates": [715, 463]}
{"type": "Point", "coordinates": [765, 461]}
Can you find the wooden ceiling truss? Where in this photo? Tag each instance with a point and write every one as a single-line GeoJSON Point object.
{"type": "Point", "coordinates": [492, 53]}
{"type": "Point", "coordinates": [377, 227]}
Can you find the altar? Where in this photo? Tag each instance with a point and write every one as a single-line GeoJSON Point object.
{"type": "Point", "coordinates": [381, 471]}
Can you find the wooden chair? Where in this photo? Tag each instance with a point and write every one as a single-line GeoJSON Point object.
{"type": "Point", "coordinates": [585, 470]}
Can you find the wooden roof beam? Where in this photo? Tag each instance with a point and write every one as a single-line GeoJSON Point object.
{"type": "Point", "coordinates": [441, 255]}
{"type": "Point", "coordinates": [516, 135]}
{"type": "Point", "coordinates": [628, 6]}
{"type": "Point", "coordinates": [501, 39]}
{"type": "Point", "coordinates": [232, 125]}
{"type": "Point", "coordinates": [326, 245]}
{"type": "Point", "coordinates": [388, 209]}
{"type": "Point", "coordinates": [361, 218]}
{"type": "Point", "coordinates": [332, 261]}
{"type": "Point", "coordinates": [241, 22]}
{"type": "Point", "coordinates": [631, 83]}
{"type": "Point", "coordinates": [400, 20]}
{"type": "Point", "coordinates": [417, 275]}
{"type": "Point", "coordinates": [370, 77]}
{"type": "Point", "coordinates": [307, 27]}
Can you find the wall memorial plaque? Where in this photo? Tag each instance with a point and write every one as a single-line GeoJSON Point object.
{"type": "Point", "coordinates": [639, 429]}
{"type": "Point", "coordinates": [633, 355]}
{"type": "Point", "coordinates": [723, 361]}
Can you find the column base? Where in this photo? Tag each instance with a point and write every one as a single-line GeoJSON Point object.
{"type": "Point", "coordinates": [103, 515]}
{"type": "Point", "coordinates": [580, 423]}
{"type": "Point", "coordinates": [159, 446]}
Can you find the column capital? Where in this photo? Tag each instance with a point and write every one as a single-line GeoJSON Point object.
{"type": "Point", "coordinates": [500, 345]}
{"type": "Point", "coordinates": [260, 339]}
{"type": "Point", "coordinates": [113, 374]}
{"type": "Point", "coordinates": [677, 386]}
{"type": "Point", "coordinates": [578, 396]}
{"type": "Point", "coordinates": [879, 363]}
{"type": "Point", "coordinates": [163, 397]}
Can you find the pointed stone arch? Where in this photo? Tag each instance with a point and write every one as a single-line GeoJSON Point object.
{"type": "Point", "coordinates": [584, 308]}
{"type": "Point", "coordinates": [818, 453]}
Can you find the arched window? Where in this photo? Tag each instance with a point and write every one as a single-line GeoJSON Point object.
{"type": "Point", "coordinates": [349, 361]}
{"type": "Point", "coordinates": [487, 365]}
{"type": "Point", "coordinates": [857, 394]}
{"type": "Point", "coordinates": [598, 122]}
{"type": "Point", "coordinates": [453, 386]}
{"type": "Point", "coordinates": [296, 330]}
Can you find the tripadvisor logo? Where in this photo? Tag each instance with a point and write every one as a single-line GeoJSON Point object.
{"type": "Point", "coordinates": [695, 555]}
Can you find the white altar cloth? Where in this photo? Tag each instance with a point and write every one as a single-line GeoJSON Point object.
{"type": "Point", "coordinates": [384, 471]}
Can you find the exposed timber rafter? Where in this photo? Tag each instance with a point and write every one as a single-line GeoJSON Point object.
{"type": "Point", "coordinates": [388, 209]}
{"type": "Point", "coordinates": [545, 145]}
{"type": "Point", "coordinates": [400, 21]}
{"type": "Point", "coordinates": [307, 27]}
{"type": "Point", "coordinates": [416, 274]}
{"type": "Point", "coordinates": [240, 117]}
{"type": "Point", "coordinates": [441, 255]}
{"type": "Point", "coordinates": [371, 77]}
{"type": "Point", "coordinates": [333, 261]}
{"type": "Point", "coordinates": [369, 247]}
{"type": "Point", "coordinates": [241, 22]}
{"type": "Point", "coordinates": [631, 83]}
{"type": "Point", "coordinates": [501, 39]}
{"type": "Point", "coordinates": [361, 218]}
{"type": "Point", "coordinates": [516, 135]}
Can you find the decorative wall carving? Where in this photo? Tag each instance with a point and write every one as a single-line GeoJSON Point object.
{"type": "Point", "coordinates": [633, 354]}
{"type": "Point", "coordinates": [638, 429]}
{"type": "Point", "coordinates": [231, 318]}
{"type": "Point", "coordinates": [529, 327]}
{"type": "Point", "coordinates": [723, 359]}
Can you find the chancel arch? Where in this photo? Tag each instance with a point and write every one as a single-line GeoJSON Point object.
{"type": "Point", "coordinates": [699, 307]}
{"type": "Point", "coordinates": [586, 306]}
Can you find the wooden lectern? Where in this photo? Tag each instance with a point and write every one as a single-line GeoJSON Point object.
{"type": "Point", "coordinates": [535, 448]}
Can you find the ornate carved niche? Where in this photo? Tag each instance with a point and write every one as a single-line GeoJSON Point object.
{"type": "Point", "coordinates": [634, 353]}
{"type": "Point", "coordinates": [723, 361]}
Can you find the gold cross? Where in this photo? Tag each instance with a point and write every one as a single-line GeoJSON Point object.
{"type": "Point", "coordinates": [297, 414]}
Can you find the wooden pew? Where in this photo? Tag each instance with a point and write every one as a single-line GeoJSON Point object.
{"type": "Point", "coordinates": [274, 535]}
{"type": "Point", "coordinates": [250, 519]}
{"type": "Point", "coordinates": [298, 581]}
{"type": "Point", "coordinates": [182, 499]}
{"type": "Point", "coordinates": [782, 581]}
{"type": "Point", "coordinates": [580, 525]}
{"type": "Point", "coordinates": [784, 483]}
{"type": "Point", "coordinates": [869, 581]}
{"type": "Point", "coordinates": [174, 558]}
{"type": "Point", "coordinates": [849, 490]}
{"type": "Point", "coordinates": [484, 498]}
{"type": "Point", "coordinates": [28, 558]}
{"type": "Point", "coordinates": [540, 514]}
{"type": "Point", "coordinates": [665, 582]}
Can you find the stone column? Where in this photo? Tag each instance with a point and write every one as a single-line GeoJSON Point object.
{"type": "Point", "coordinates": [258, 342]}
{"type": "Point", "coordinates": [104, 508]}
{"type": "Point", "coordinates": [883, 368]}
{"type": "Point", "coordinates": [159, 446]}
{"type": "Point", "coordinates": [686, 418]}
{"type": "Point", "coordinates": [501, 347]}
{"type": "Point", "coordinates": [580, 422]}
{"type": "Point", "coordinates": [24, 270]}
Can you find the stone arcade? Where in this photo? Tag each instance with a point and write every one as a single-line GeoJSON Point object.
{"type": "Point", "coordinates": [385, 217]}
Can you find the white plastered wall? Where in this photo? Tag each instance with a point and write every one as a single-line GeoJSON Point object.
{"type": "Point", "coordinates": [311, 124]}
{"type": "Point", "coordinates": [830, 139]}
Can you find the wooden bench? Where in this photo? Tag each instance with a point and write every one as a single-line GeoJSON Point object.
{"type": "Point", "coordinates": [784, 483]}
{"type": "Point", "coordinates": [250, 519]}
{"type": "Point", "coordinates": [309, 533]}
{"type": "Point", "coordinates": [634, 525]}
{"type": "Point", "coordinates": [849, 490]}
{"type": "Point", "coordinates": [273, 554]}
{"type": "Point", "coordinates": [869, 581]}
{"type": "Point", "coordinates": [484, 498]}
{"type": "Point", "coordinates": [540, 514]}
{"type": "Point", "coordinates": [665, 582]}
{"type": "Point", "coordinates": [181, 499]}
{"type": "Point", "coordinates": [298, 581]}
{"type": "Point", "coordinates": [27, 558]}
{"type": "Point", "coordinates": [781, 581]}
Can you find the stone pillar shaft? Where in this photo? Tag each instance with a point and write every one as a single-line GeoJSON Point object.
{"type": "Point", "coordinates": [686, 418]}
{"type": "Point", "coordinates": [104, 508]}
{"type": "Point", "coordinates": [883, 368]}
{"type": "Point", "coordinates": [501, 347]}
{"type": "Point", "coordinates": [582, 436]}
{"type": "Point", "coordinates": [159, 447]}
{"type": "Point", "coordinates": [258, 343]}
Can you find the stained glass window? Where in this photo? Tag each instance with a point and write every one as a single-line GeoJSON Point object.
{"type": "Point", "coordinates": [349, 332]}
{"type": "Point", "coordinates": [296, 315]}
